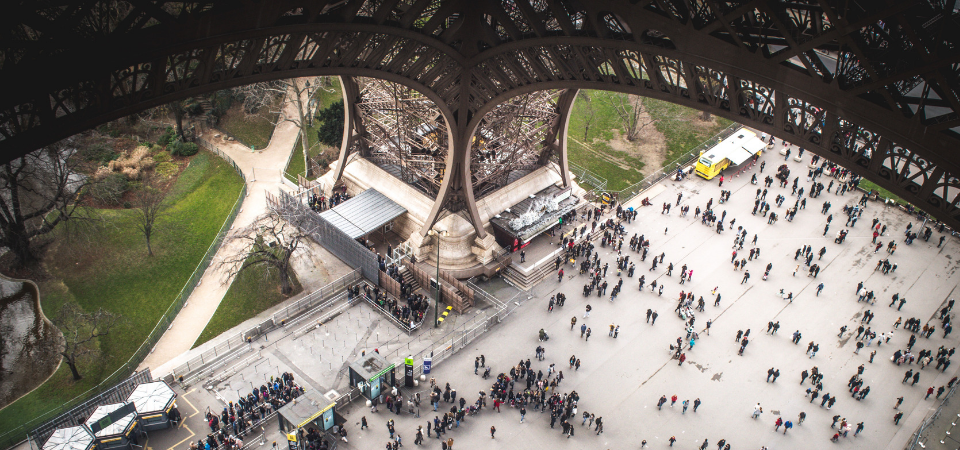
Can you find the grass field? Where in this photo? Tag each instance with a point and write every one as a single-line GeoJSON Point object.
{"type": "Point", "coordinates": [249, 130]}
{"type": "Point", "coordinates": [619, 168]}
{"type": "Point", "coordinates": [253, 291]}
{"type": "Point", "coordinates": [586, 150]}
{"type": "Point", "coordinates": [675, 126]}
{"type": "Point", "coordinates": [870, 186]}
{"type": "Point", "coordinates": [110, 268]}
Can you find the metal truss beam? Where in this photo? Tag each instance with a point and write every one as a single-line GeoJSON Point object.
{"type": "Point", "coordinates": [873, 84]}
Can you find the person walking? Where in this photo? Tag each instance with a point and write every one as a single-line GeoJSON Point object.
{"type": "Point", "coordinates": [493, 430]}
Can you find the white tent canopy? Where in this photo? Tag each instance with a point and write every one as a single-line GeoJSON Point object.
{"type": "Point", "coordinates": [152, 397]}
{"type": "Point", "coordinates": [73, 438]}
{"type": "Point", "coordinates": [118, 426]}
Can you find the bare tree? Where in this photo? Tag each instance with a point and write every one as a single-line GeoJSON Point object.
{"type": "Point", "coordinates": [149, 203]}
{"type": "Point", "coordinates": [297, 97]}
{"type": "Point", "coordinates": [82, 332]}
{"type": "Point", "coordinates": [632, 115]}
{"type": "Point", "coordinates": [268, 242]}
{"type": "Point", "coordinates": [259, 96]}
{"type": "Point", "coordinates": [589, 113]}
{"type": "Point", "coordinates": [38, 191]}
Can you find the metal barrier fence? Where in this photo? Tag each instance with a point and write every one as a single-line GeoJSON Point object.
{"type": "Point", "coordinates": [78, 414]}
{"type": "Point", "coordinates": [918, 438]}
{"type": "Point", "coordinates": [585, 176]}
{"type": "Point", "coordinates": [308, 302]}
{"type": "Point", "coordinates": [212, 148]}
{"type": "Point", "coordinates": [296, 212]}
{"type": "Point", "coordinates": [670, 168]}
{"type": "Point", "coordinates": [17, 435]}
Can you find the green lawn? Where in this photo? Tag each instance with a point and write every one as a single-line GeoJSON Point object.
{"type": "Point", "coordinates": [252, 130]}
{"type": "Point", "coordinates": [675, 126]}
{"type": "Point", "coordinates": [605, 120]}
{"type": "Point", "coordinates": [617, 177]}
{"type": "Point", "coordinates": [253, 291]}
{"type": "Point", "coordinates": [297, 165]}
{"type": "Point", "coordinates": [674, 122]}
{"type": "Point", "coordinates": [111, 269]}
{"type": "Point", "coordinates": [870, 186]}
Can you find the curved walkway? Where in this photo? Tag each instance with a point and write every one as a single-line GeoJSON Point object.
{"type": "Point", "coordinates": [263, 170]}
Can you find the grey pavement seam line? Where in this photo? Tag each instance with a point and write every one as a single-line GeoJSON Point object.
{"type": "Point", "coordinates": [300, 372]}
{"type": "Point", "coordinates": [361, 342]}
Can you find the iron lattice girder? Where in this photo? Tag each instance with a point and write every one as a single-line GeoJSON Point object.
{"type": "Point", "coordinates": [887, 66]}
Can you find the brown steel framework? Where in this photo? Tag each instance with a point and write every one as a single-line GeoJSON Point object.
{"type": "Point", "coordinates": [871, 84]}
{"type": "Point", "coordinates": [404, 132]}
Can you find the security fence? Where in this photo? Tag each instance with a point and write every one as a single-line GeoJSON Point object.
{"type": "Point", "coordinates": [17, 435]}
{"type": "Point", "coordinates": [670, 168]}
{"type": "Point", "coordinates": [78, 414]}
{"type": "Point", "coordinates": [922, 435]}
{"type": "Point", "coordinates": [351, 252]}
{"type": "Point", "coordinates": [286, 315]}
{"type": "Point", "coordinates": [587, 177]}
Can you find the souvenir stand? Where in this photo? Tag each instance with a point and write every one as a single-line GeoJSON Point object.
{"type": "Point", "coordinates": [309, 411]}
{"type": "Point", "coordinates": [372, 374]}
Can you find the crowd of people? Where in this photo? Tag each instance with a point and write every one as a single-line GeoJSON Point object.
{"type": "Point", "coordinates": [538, 388]}
{"type": "Point", "coordinates": [238, 418]}
{"type": "Point", "coordinates": [412, 312]}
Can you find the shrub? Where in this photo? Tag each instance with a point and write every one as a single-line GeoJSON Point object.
{"type": "Point", "coordinates": [167, 169]}
{"type": "Point", "coordinates": [147, 163]}
{"type": "Point", "coordinates": [331, 130]}
{"type": "Point", "coordinates": [161, 157]}
{"type": "Point", "coordinates": [127, 205]}
{"type": "Point", "coordinates": [101, 153]}
{"type": "Point", "coordinates": [183, 148]}
{"type": "Point", "coordinates": [166, 137]}
{"type": "Point", "coordinates": [102, 172]}
{"type": "Point", "coordinates": [110, 189]}
{"type": "Point", "coordinates": [132, 173]}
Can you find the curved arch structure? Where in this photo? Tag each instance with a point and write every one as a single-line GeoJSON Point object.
{"type": "Point", "coordinates": [872, 85]}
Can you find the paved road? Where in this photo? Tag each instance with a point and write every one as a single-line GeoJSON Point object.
{"type": "Point", "coordinates": [621, 379]}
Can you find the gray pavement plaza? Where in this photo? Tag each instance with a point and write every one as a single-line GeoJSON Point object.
{"type": "Point", "coordinates": [622, 378]}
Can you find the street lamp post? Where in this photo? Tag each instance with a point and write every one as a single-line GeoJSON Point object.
{"type": "Point", "coordinates": [436, 304]}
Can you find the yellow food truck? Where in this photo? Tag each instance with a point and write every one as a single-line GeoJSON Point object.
{"type": "Point", "coordinates": [734, 150]}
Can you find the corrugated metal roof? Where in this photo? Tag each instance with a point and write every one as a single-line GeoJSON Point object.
{"type": "Point", "coordinates": [363, 214]}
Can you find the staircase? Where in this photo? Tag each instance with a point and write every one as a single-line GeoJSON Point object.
{"type": "Point", "coordinates": [460, 302]}
{"type": "Point", "coordinates": [408, 279]}
{"type": "Point", "coordinates": [527, 279]}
